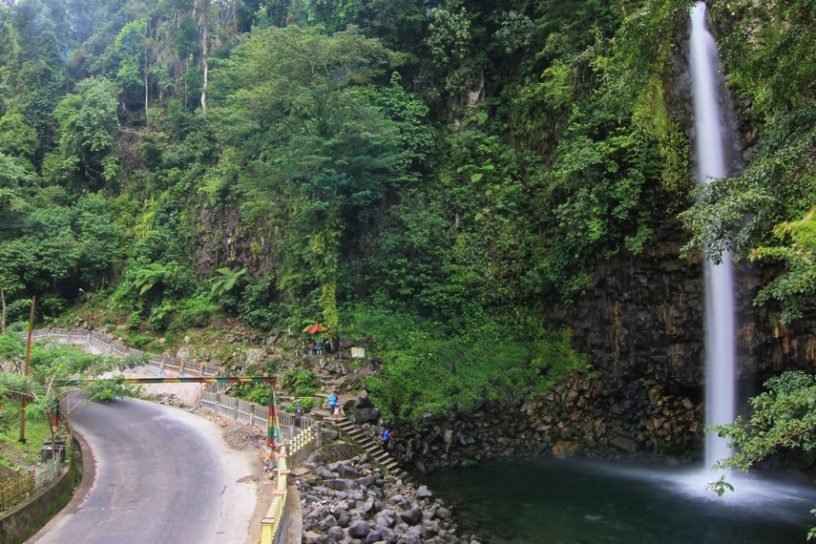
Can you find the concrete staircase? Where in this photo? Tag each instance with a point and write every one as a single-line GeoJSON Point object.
{"type": "Point", "coordinates": [373, 448]}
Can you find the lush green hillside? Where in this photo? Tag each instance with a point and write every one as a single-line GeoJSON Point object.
{"type": "Point", "coordinates": [452, 165]}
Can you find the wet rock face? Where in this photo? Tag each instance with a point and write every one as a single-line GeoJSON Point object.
{"type": "Point", "coordinates": [644, 318]}
{"type": "Point", "coordinates": [354, 501]}
{"type": "Point", "coordinates": [643, 315]}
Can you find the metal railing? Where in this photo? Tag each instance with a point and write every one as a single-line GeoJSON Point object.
{"type": "Point", "coordinates": [16, 491]}
{"type": "Point", "coordinates": [303, 437]}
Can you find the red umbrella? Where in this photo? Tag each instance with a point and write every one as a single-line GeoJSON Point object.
{"type": "Point", "coordinates": [314, 328]}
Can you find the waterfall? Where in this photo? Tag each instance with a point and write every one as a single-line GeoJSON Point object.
{"type": "Point", "coordinates": [720, 341]}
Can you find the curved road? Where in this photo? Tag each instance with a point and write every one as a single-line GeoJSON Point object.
{"type": "Point", "coordinates": [159, 475]}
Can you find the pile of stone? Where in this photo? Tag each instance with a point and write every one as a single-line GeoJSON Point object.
{"type": "Point", "coordinates": [354, 502]}
{"type": "Point", "coordinates": [240, 436]}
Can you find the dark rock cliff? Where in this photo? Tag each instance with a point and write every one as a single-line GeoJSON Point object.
{"type": "Point", "coordinates": [641, 326]}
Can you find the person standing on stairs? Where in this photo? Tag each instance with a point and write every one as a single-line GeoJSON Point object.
{"type": "Point", "coordinates": [333, 405]}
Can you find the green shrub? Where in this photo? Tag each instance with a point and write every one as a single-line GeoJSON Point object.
{"type": "Point", "coordinates": [259, 307]}
{"type": "Point", "coordinates": [134, 321]}
{"type": "Point", "coordinates": [252, 392]}
{"type": "Point", "coordinates": [18, 310]}
{"type": "Point", "coordinates": [305, 390]}
{"type": "Point", "coordinates": [306, 404]}
{"type": "Point", "coordinates": [195, 312]}
{"type": "Point", "coordinates": [293, 379]}
{"type": "Point", "coordinates": [160, 317]}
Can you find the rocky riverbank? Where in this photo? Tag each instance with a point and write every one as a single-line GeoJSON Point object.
{"type": "Point", "coordinates": [582, 416]}
{"type": "Point", "coordinates": [355, 502]}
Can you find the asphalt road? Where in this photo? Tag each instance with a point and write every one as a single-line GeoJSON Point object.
{"type": "Point", "coordinates": [157, 475]}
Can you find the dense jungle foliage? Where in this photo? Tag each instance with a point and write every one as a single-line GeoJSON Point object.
{"type": "Point", "coordinates": [453, 166]}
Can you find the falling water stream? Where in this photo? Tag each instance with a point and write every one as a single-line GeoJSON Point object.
{"type": "Point", "coordinates": [712, 163]}
{"type": "Point", "coordinates": [570, 501]}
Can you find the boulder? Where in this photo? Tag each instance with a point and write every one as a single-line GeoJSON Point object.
{"type": "Point", "coordinates": [623, 443]}
{"type": "Point", "coordinates": [359, 529]}
{"type": "Point", "coordinates": [367, 481]}
{"type": "Point", "coordinates": [336, 533]}
{"type": "Point", "coordinates": [385, 518]}
{"type": "Point", "coordinates": [311, 537]}
{"type": "Point", "coordinates": [443, 513]}
{"type": "Point", "coordinates": [324, 473]}
{"type": "Point", "coordinates": [327, 522]}
{"type": "Point", "coordinates": [347, 471]}
{"type": "Point", "coordinates": [366, 415]}
{"type": "Point", "coordinates": [412, 516]}
{"type": "Point", "coordinates": [340, 484]}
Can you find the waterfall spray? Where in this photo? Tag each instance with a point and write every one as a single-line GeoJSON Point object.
{"type": "Point", "coordinates": [720, 378]}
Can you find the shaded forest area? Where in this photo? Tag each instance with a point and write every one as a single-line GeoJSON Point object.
{"type": "Point", "coordinates": [432, 175]}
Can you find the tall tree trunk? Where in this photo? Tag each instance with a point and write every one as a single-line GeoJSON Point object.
{"type": "Point", "coordinates": [186, 71]}
{"type": "Point", "coordinates": [146, 88]}
{"type": "Point", "coordinates": [205, 37]}
{"type": "Point", "coordinates": [3, 319]}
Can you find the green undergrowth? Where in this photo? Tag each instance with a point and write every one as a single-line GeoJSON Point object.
{"type": "Point", "coordinates": [13, 453]}
{"type": "Point", "coordinates": [431, 367]}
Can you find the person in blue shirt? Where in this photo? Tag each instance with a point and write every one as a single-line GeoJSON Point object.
{"type": "Point", "coordinates": [386, 439]}
{"type": "Point", "coordinates": [333, 404]}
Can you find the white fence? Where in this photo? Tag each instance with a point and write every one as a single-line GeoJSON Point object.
{"type": "Point", "coordinates": [106, 344]}
{"type": "Point", "coordinates": [215, 400]}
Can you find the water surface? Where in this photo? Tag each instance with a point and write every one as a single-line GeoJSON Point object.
{"type": "Point", "coordinates": [576, 502]}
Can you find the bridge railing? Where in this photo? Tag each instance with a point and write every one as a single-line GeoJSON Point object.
{"type": "Point", "coordinates": [273, 528]}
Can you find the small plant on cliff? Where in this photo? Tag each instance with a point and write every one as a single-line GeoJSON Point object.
{"type": "Point", "coordinates": [225, 280]}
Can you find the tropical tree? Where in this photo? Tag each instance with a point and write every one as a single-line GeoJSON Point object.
{"type": "Point", "coordinates": [56, 371]}
{"type": "Point", "coordinates": [87, 124]}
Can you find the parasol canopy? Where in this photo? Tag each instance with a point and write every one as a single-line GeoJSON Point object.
{"type": "Point", "coordinates": [314, 328]}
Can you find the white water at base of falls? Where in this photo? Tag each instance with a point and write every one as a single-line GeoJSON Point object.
{"type": "Point", "coordinates": [720, 337]}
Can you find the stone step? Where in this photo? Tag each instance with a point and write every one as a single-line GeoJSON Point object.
{"type": "Point", "coordinates": [369, 445]}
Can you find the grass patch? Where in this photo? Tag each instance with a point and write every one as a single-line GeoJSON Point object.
{"type": "Point", "coordinates": [13, 453]}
